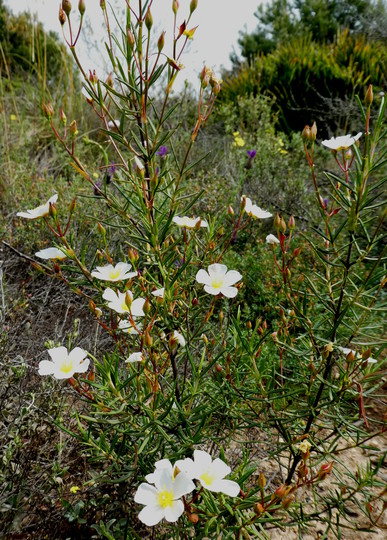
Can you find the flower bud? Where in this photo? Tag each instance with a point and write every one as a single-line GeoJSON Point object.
{"type": "Point", "coordinates": [175, 6]}
{"type": "Point", "coordinates": [161, 42]}
{"type": "Point", "coordinates": [325, 470]}
{"type": "Point", "coordinates": [147, 306]}
{"type": "Point", "coordinates": [72, 206]}
{"type": "Point", "coordinates": [230, 210]}
{"type": "Point", "coordinates": [261, 480]}
{"type": "Point", "coordinates": [369, 97]}
{"type": "Point", "coordinates": [193, 5]}
{"type": "Point", "coordinates": [218, 368]}
{"type": "Point", "coordinates": [277, 221]}
{"type": "Point", "coordinates": [63, 117]}
{"type": "Point", "coordinates": [48, 110]}
{"type": "Point", "coordinates": [133, 255]}
{"type": "Point", "coordinates": [348, 154]}
{"type": "Point", "coordinates": [66, 6]}
{"type": "Point", "coordinates": [281, 491]}
{"type": "Point", "coordinates": [193, 518]}
{"type": "Point", "coordinates": [128, 299]}
{"type": "Point", "coordinates": [101, 229]}
{"type": "Point", "coordinates": [313, 132]}
{"type": "Point", "coordinates": [148, 339]}
{"type": "Point", "coordinates": [148, 19]}
{"type": "Point", "coordinates": [296, 252]}
{"type": "Point", "coordinates": [292, 222]}
{"type": "Point", "coordinates": [81, 7]}
{"type": "Point", "coordinates": [73, 128]}
{"type": "Point", "coordinates": [259, 509]}
{"type": "Point", "coordinates": [287, 502]}
{"type": "Point", "coordinates": [366, 354]}
{"type": "Point", "coordinates": [131, 39]}
{"type": "Point", "coordinates": [350, 357]}
{"type": "Point", "coordinates": [194, 301]}
{"type": "Point", "coordinates": [306, 133]}
{"type": "Point", "coordinates": [109, 80]}
{"type": "Point", "coordinates": [62, 16]}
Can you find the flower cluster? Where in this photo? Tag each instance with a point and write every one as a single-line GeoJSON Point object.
{"type": "Point", "coordinates": [167, 484]}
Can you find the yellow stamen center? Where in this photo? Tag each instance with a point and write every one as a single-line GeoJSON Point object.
{"type": "Point", "coordinates": [66, 366]}
{"type": "Point", "coordinates": [207, 478]}
{"type": "Point", "coordinates": [165, 498]}
{"type": "Point", "coordinates": [114, 274]}
{"type": "Point", "coordinates": [217, 282]}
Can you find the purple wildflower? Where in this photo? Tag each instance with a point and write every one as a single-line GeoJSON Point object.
{"type": "Point", "coordinates": [251, 153]}
{"type": "Point", "coordinates": [97, 189]}
{"type": "Point", "coordinates": [162, 151]}
{"type": "Point", "coordinates": [109, 172]}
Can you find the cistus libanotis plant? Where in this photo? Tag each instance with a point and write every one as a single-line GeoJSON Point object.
{"type": "Point", "coordinates": [187, 384]}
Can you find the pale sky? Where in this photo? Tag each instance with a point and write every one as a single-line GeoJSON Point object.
{"type": "Point", "coordinates": [219, 24]}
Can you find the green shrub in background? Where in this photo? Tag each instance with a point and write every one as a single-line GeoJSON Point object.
{"type": "Point", "coordinates": [309, 80]}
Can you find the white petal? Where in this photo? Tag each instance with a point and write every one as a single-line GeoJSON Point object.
{"type": "Point", "coordinates": [173, 512]}
{"type": "Point", "coordinates": [146, 494]}
{"type": "Point", "coordinates": [151, 515]}
{"type": "Point", "coordinates": [77, 355]}
{"type": "Point", "coordinates": [202, 459]}
{"type": "Point", "coordinates": [46, 367]}
{"type": "Point", "coordinates": [231, 277]}
{"type": "Point", "coordinates": [54, 198]}
{"type": "Point", "coordinates": [186, 466]}
{"type": "Point", "coordinates": [83, 366]}
{"type": "Point", "coordinates": [217, 270]}
{"type": "Point", "coordinates": [229, 292]}
{"type": "Point", "coordinates": [109, 295]}
{"type": "Point", "coordinates": [211, 290]}
{"type": "Point", "coordinates": [136, 308]}
{"type": "Point", "coordinates": [225, 486]}
{"type": "Point", "coordinates": [51, 253]}
{"type": "Point", "coordinates": [58, 354]}
{"type": "Point", "coordinates": [202, 277]}
{"type": "Point", "coordinates": [220, 468]}
{"type": "Point", "coordinates": [182, 485]}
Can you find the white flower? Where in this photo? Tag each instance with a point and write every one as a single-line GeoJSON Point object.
{"type": "Point", "coordinates": [271, 239]}
{"type": "Point", "coordinates": [51, 253]}
{"type": "Point", "coordinates": [189, 223]}
{"type": "Point", "coordinates": [117, 302]}
{"type": "Point", "coordinates": [40, 211]}
{"type": "Point", "coordinates": [176, 336]}
{"type": "Point", "coordinates": [119, 272]}
{"type": "Point", "coordinates": [341, 143]}
{"type": "Point", "coordinates": [63, 364]}
{"type": "Point", "coordinates": [346, 352]}
{"type": "Point", "coordinates": [163, 499]}
{"type": "Point", "coordinates": [138, 163]}
{"type": "Point", "coordinates": [255, 211]}
{"type": "Point", "coordinates": [209, 473]}
{"type": "Point", "coordinates": [128, 327]}
{"type": "Point", "coordinates": [218, 280]}
{"type": "Point", "coordinates": [159, 292]}
{"type": "Point", "coordinates": [135, 357]}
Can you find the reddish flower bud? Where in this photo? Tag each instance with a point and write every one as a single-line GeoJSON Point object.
{"type": "Point", "coordinates": [259, 509]}
{"type": "Point", "coordinates": [193, 518]}
{"type": "Point", "coordinates": [369, 97]}
{"type": "Point", "coordinates": [325, 470]}
{"type": "Point", "coordinates": [133, 255]}
{"type": "Point", "coordinates": [193, 5]}
{"type": "Point", "coordinates": [195, 301]}
{"type": "Point", "coordinates": [313, 132]}
{"type": "Point", "coordinates": [148, 19]}
{"type": "Point", "coordinates": [161, 42]}
{"type": "Point", "coordinates": [62, 16]}
{"type": "Point", "coordinates": [48, 110]}
{"type": "Point", "coordinates": [261, 480]}
{"type": "Point", "coordinates": [81, 7]}
{"type": "Point", "coordinates": [175, 6]}
{"type": "Point", "coordinates": [306, 133]}
{"type": "Point", "coordinates": [66, 6]}
{"type": "Point", "coordinates": [292, 222]}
